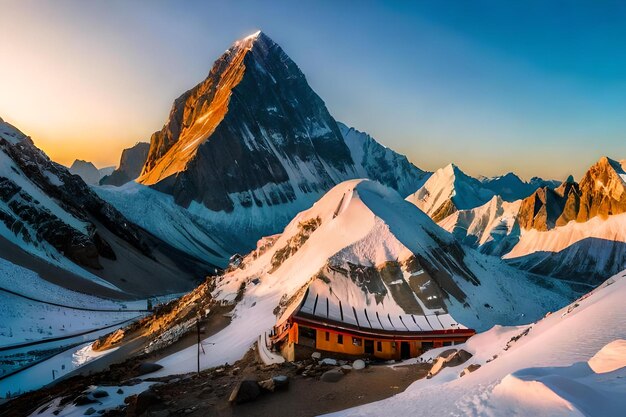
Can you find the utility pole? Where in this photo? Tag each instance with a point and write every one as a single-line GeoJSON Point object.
{"type": "Point", "coordinates": [198, 331]}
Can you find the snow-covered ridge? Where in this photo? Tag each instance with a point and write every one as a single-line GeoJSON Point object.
{"type": "Point", "coordinates": [364, 229]}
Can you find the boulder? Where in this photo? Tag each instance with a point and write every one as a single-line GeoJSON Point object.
{"type": "Point", "coordinates": [268, 385]}
{"type": "Point", "coordinates": [84, 400]}
{"type": "Point", "coordinates": [148, 367]}
{"type": "Point", "coordinates": [99, 393]}
{"type": "Point", "coordinates": [145, 400]}
{"type": "Point", "coordinates": [458, 358]}
{"type": "Point", "coordinates": [281, 381]}
{"type": "Point", "coordinates": [346, 368]}
{"type": "Point", "coordinates": [448, 359]}
{"type": "Point", "coordinates": [245, 391]}
{"type": "Point", "coordinates": [316, 355]}
{"type": "Point", "coordinates": [470, 369]}
{"type": "Point", "coordinates": [358, 364]}
{"type": "Point", "coordinates": [328, 361]}
{"type": "Point", "coordinates": [333, 375]}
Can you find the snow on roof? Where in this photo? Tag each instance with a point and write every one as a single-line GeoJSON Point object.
{"type": "Point", "coordinates": [321, 306]}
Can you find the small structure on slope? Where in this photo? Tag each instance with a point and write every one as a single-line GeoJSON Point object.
{"type": "Point", "coordinates": [322, 323]}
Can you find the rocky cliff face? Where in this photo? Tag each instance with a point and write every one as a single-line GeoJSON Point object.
{"type": "Point", "coordinates": [131, 163]}
{"type": "Point", "coordinates": [254, 133]}
{"type": "Point", "coordinates": [601, 192]}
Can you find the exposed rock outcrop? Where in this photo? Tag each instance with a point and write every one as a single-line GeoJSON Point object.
{"type": "Point", "coordinates": [131, 164]}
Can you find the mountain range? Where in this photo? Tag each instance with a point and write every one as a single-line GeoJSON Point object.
{"type": "Point", "coordinates": [253, 195]}
{"type": "Point", "coordinates": [572, 231]}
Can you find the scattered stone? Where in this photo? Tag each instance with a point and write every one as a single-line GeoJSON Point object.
{"type": "Point", "coordinates": [148, 367]}
{"type": "Point", "coordinates": [99, 393]}
{"type": "Point", "coordinates": [470, 369]}
{"type": "Point", "coordinates": [160, 413]}
{"type": "Point", "coordinates": [268, 385]}
{"type": "Point", "coordinates": [448, 358]}
{"type": "Point", "coordinates": [90, 411]}
{"type": "Point", "coordinates": [131, 382]}
{"type": "Point", "coordinates": [358, 364]}
{"type": "Point", "coordinates": [84, 400]}
{"type": "Point", "coordinates": [458, 358]}
{"type": "Point", "coordinates": [145, 400]}
{"type": "Point", "coordinates": [120, 391]}
{"type": "Point", "coordinates": [245, 391]}
{"type": "Point", "coordinates": [328, 361]}
{"type": "Point", "coordinates": [333, 375]}
{"type": "Point", "coordinates": [281, 381]}
{"type": "Point", "coordinates": [346, 369]}
{"type": "Point", "coordinates": [316, 355]}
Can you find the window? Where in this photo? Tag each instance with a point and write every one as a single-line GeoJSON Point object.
{"type": "Point", "coordinates": [357, 341]}
{"type": "Point", "coordinates": [447, 343]}
{"type": "Point", "coordinates": [340, 339]}
{"type": "Point", "coordinates": [379, 346]}
{"type": "Point", "coordinates": [393, 346]}
{"type": "Point", "coordinates": [327, 337]}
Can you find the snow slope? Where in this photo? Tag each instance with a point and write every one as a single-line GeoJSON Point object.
{"type": "Point", "coordinates": [23, 320]}
{"type": "Point", "coordinates": [571, 363]}
{"type": "Point", "coordinates": [362, 229]}
{"type": "Point", "coordinates": [597, 246]}
{"type": "Point", "coordinates": [491, 228]}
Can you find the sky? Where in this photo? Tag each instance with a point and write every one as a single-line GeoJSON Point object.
{"type": "Point", "coordinates": [538, 88]}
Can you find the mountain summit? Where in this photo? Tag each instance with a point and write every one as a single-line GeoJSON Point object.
{"type": "Point", "coordinates": [249, 147]}
{"type": "Point", "coordinates": [253, 132]}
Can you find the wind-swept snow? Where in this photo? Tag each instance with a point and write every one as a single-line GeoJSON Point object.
{"type": "Point", "coordinates": [569, 363]}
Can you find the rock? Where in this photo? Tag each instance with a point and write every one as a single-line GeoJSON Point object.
{"type": "Point", "coordinates": [316, 355]}
{"type": "Point", "coordinates": [89, 411]}
{"type": "Point", "coordinates": [446, 353]}
{"type": "Point", "coordinates": [333, 375]}
{"type": "Point", "coordinates": [358, 364]}
{"type": "Point", "coordinates": [145, 400]}
{"type": "Point", "coordinates": [245, 391]}
{"type": "Point", "coordinates": [84, 400]}
{"type": "Point", "coordinates": [268, 385]}
{"type": "Point", "coordinates": [99, 393]}
{"type": "Point", "coordinates": [470, 369]}
{"type": "Point", "coordinates": [131, 382]}
{"type": "Point", "coordinates": [447, 359]}
{"type": "Point", "coordinates": [160, 413]}
{"type": "Point", "coordinates": [328, 361]}
{"type": "Point", "coordinates": [346, 368]}
{"type": "Point", "coordinates": [281, 381]}
{"type": "Point", "coordinates": [148, 367]}
{"type": "Point", "coordinates": [120, 391]}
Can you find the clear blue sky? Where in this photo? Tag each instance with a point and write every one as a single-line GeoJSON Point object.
{"type": "Point", "coordinates": [538, 88]}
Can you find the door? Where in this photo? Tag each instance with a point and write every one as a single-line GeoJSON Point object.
{"type": "Point", "coordinates": [369, 346]}
{"type": "Point", "coordinates": [405, 350]}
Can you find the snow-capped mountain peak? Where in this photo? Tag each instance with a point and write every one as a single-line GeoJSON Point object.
{"type": "Point", "coordinates": [449, 189]}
